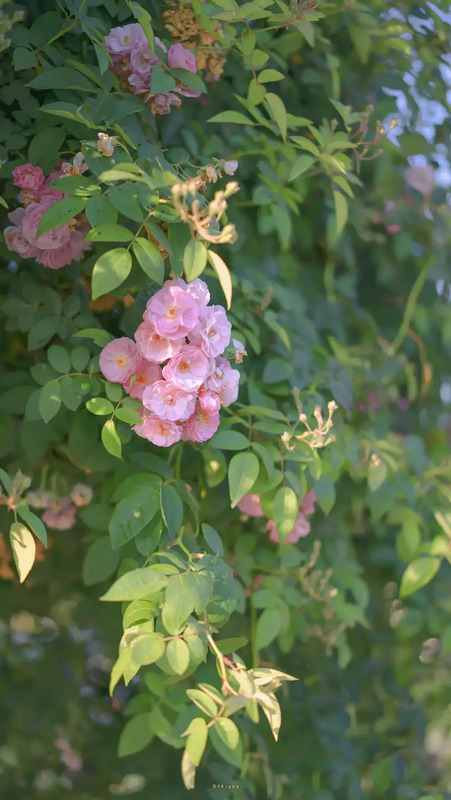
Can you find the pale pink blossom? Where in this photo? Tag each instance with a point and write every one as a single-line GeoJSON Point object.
{"type": "Point", "coordinates": [212, 330]}
{"type": "Point", "coordinates": [47, 241]}
{"type": "Point", "coordinates": [161, 432]}
{"type": "Point", "coordinates": [124, 39]}
{"type": "Point", "coordinates": [172, 312]}
{"type": "Point", "coordinates": [421, 178]}
{"type": "Point", "coordinates": [119, 360]}
{"type": "Point", "coordinates": [147, 372]}
{"type": "Point", "coordinates": [224, 380]}
{"type": "Point", "coordinates": [60, 514]}
{"type": "Point", "coordinates": [240, 351]}
{"type": "Point", "coordinates": [308, 503]}
{"type": "Point", "coordinates": [250, 504]}
{"type": "Point", "coordinates": [181, 57]}
{"type": "Point", "coordinates": [188, 369]}
{"type": "Point", "coordinates": [230, 167]}
{"type": "Point", "coordinates": [168, 401]}
{"type": "Point", "coordinates": [154, 347]}
{"type": "Point", "coordinates": [28, 177]}
{"type": "Point", "coordinates": [81, 494]}
{"type": "Point", "coordinates": [202, 425]}
{"type": "Point", "coordinates": [198, 289]}
{"type": "Point", "coordinates": [300, 529]}
{"type": "Point", "coordinates": [15, 241]}
{"type": "Point", "coordinates": [72, 250]}
{"type": "Point", "coordinates": [209, 401]}
{"type": "Point", "coordinates": [38, 499]}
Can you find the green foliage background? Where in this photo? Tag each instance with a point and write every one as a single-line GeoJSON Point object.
{"type": "Point", "coordinates": [331, 306]}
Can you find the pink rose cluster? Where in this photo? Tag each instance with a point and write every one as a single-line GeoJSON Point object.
{"type": "Point", "coordinates": [56, 248]}
{"type": "Point", "coordinates": [250, 504]}
{"type": "Point", "coordinates": [60, 512]}
{"type": "Point", "coordinates": [133, 60]}
{"type": "Point", "coordinates": [176, 365]}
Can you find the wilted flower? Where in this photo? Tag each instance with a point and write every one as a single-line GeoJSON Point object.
{"type": "Point", "coordinates": [81, 494]}
{"type": "Point", "coordinates": [105, 144]}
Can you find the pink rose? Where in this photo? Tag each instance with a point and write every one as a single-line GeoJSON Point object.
{"type": "Point", "coordinates": [308, 503]}
{"type": "Point", "coordinates": [142, 60]}
{"type": "Point", "coordinates": [71, 251]}
{"type": "Point", "coordinates": [212, 331]}
{"type": "Point", "coordinates": [147, 372]}
{"type": "Point", "coordinates": [202, 425]}
{"type": "Point", "coordinates": [300, 529]}
{"type": "Point", "coordinates": [179, 56]}
{"type": "Point", "coordinates": [119, 360]}
{"type": "Point", "coordinates": [209, 401]}
{"type": "Point", "coordinates": [188, 369]}
{"type": "Point", "coordinates": [16, 242]}
{"type": "Point", "coordinates": [155, 347]}
{"type": "Point", "coordinates": [60, 514]}
{"type": "Point", "coordinates": [168, 401]}
{"type": "Point", "coordinates": [172, 312]}
{"type": "Point", "coordinates": [28, 177]}
{"type": "Point", "coordinates": [50, 240]}
{"type": "Point", "coordinates": [198, 289]}
{"type": "Point", "coordinates": [123, 40]}
{"type": "Point", "coordinates": [161, 432]}
{"type": "Point", "coordinates": [230, 167]}
{"type": "Point", "coordinates": [250, 505]}
{"type": "Point", "coordinates": [224, 380]}
{"type": "Point", "coordinates": [421, 178]}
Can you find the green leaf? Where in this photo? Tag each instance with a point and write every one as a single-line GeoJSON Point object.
{"type": "Point", "coordinates": [134, 585]}
{"type": "Point", "coordinates": [325, 492]}
{"type": "Point", "coordinates": [278, 112]}
{"type": "Point", "coordinates": [109, 232]}
{"type": "Point", "coordinates": [144, 20]}
{"type": "Point", "coordinates": [201, 586]}
{"type": "Point", "coordinates": [110, 270]}
{"type": "Point", "coordinates": [203, 701]}
{"type": "Point", "coordinates": [197, 739]}
{"type": "Point", "coordinates": [177, 655]}
{"type": "Point", "coordinates": [418, 574]}
{"type": "Point", "coordinates": [341, 210]}
{"type": "Point", "coordinates": [268, 627]}
{"type": "Point", "coordinates": [62, 211]}
{"type": "Point", "coordinates": [194, 259]}
{"type": "Point", "coordinates": [131, 515]}
{"type": "Point", "coordinates": [100, 211]}
{"type": "Point", "coordinates": [49, 400]}
{"type": "Point", "coordinates": [60, 78]}
{"type": "Point", "coordinates": [59, 358]}
{"type": "Point", "coordinates": [377, 473]}
{"type": "Point", "coordinates": [135, 735]}
{"type": "Point", "coordinates": [231, 645]}
{"type": "Point", "coordinates": [41, 332]}
{"type": "Point", "coordinates": [99, 562]}
{"type": "Point", "coordinates": [98, 335]}
{"type": "Point", "coordinates": [137, 611]}
{"type": "Point", "coordinates": [128, 415]}
{"type": "Point", "coordinates": [126, 199]}
{"type": "Point", "coordinates": [34, 522]}
{"type": "Point", "coordinates": [301, 165]}
{"type": "Point", "coordinates": [171, 509]}
{"type": "Point", "coordinates": [232, 756]}
{"type": "Point", "coordinates": [269, 75]}
{"type": "Point", "coordinates": [178, 603]}
{"type": "Point", "coordinates": [110, 439]}
{"type": "Point", "coordinates": [231, 116]}
{"type": "Point", "coordinates": [148, 649]}
{"type": "Point", "coordinates": [23, 547]}
{"type": "Point", "coordinates": [161, 81]}
{"type": "Point", "coordinates": [100, 406]}
{"type": "Point", "coordinates": [213, 539]}
{"type": "Point", "coordinates": [286, 507]}
{"type": "Point", "coordinates": [23, 59]}
{"type": "Point", "coordinates": [79, 357]}
{"type": "Point", "coordinates": [228, 732]}
{"type": "Point", "coordinates": [223, 273]}
{"type": "Point", "coordinates": [243, 472]}
{"type": "Point", "coordinates": [149, 259]}
{"type": "Point", "coordinates": [229, 440]}
{"type": "Point", "coordinates": [271, 709]}
{"type": "Point", "coordinates": [188, 769]}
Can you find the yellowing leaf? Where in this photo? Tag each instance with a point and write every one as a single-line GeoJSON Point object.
{"type": "Point", "coordinates": [24, 549]}
{"type": "Point", "coordinates": [222, 271]}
